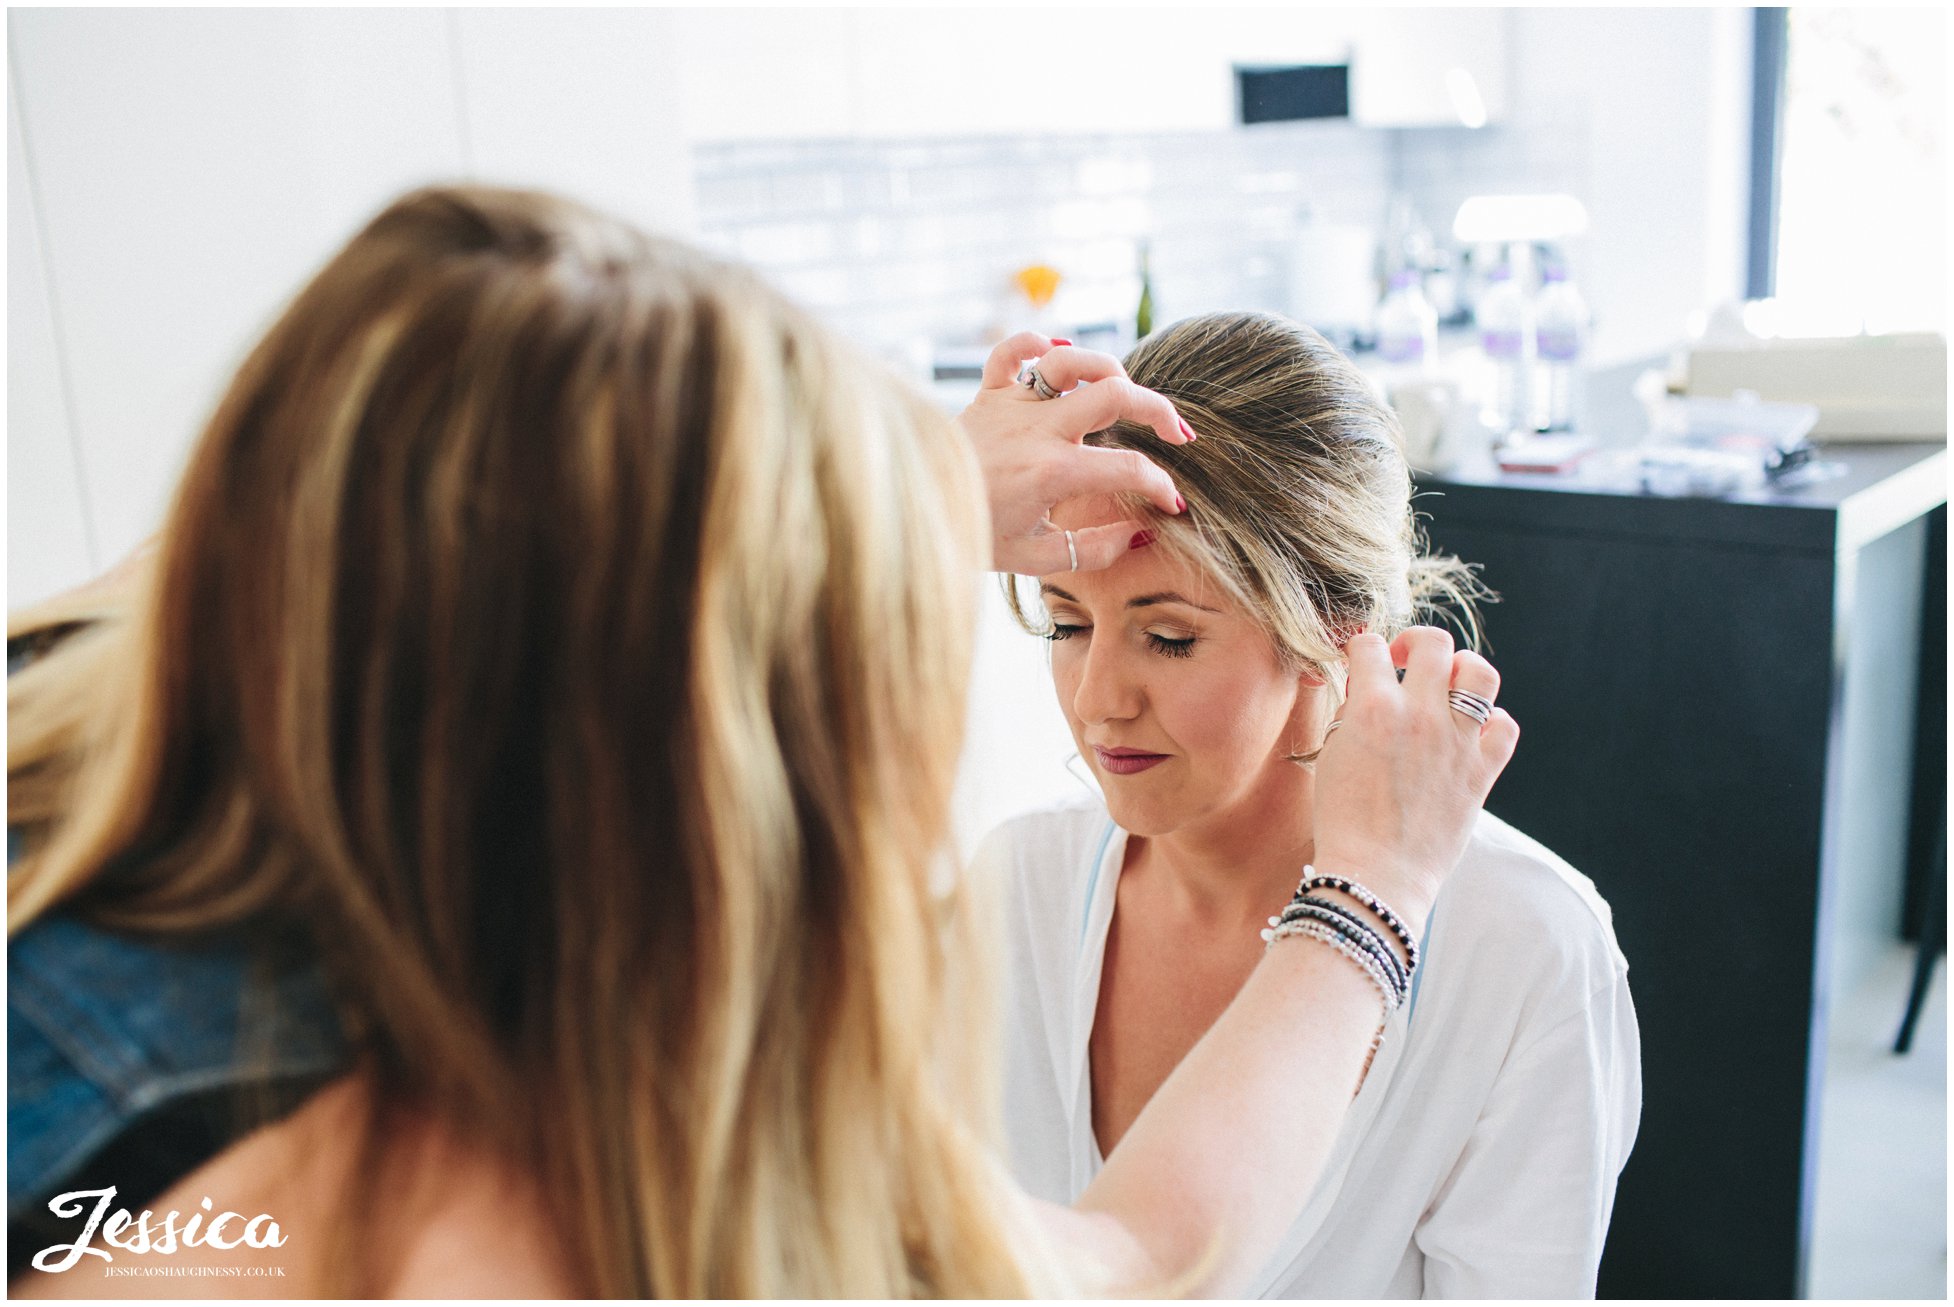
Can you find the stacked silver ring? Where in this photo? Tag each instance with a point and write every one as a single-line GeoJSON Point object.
{"type": "Point", "coordinates": [1034, 380]}
{"type": "Point", "coordinates": [1476, 706]}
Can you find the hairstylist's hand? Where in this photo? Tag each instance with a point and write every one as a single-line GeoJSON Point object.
{"type": "Point", "coordinates": [1400, 782]}
{"type": "Point", "coordinates": [1033, 455]}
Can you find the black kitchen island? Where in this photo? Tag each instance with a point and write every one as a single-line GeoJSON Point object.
{"type": "Point", "coordinates": [1724, 725]}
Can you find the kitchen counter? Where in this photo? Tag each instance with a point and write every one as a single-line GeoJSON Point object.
{"type": "Point", "coordinates": [1880, 487]}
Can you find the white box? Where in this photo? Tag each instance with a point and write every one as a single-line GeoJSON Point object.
{"type": "Point", "coordinates": [1866, 387]}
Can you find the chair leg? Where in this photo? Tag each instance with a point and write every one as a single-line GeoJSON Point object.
{"type": "Point", "coordinates": [1933, 942]}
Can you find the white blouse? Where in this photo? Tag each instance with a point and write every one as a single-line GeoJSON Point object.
{"type": "Point", "coordinates": [1478, 1161]}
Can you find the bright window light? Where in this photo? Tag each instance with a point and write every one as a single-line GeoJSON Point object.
{"type": "Point", "coordinates": [1862, 204]}
{"type": "Point", "coordinates": [1467, 103]}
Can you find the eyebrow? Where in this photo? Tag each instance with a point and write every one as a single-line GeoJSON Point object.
{"type": "Point", "coordinates": [1138, 601]}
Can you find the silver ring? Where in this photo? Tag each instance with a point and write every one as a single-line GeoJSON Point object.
{"type": "Point", "coordinates": [1072, 549]}
{"type": "Point", "coordinates": [1476, 706]}
{"type": "Point", "coordinates": [1034, 380]}
{"type": "Point", "coordinates": [1334, 723]}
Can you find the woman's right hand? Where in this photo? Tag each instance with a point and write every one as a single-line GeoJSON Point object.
{"type": "Point", "coordinates": [1399, 784]}
{"type": "Point", "coordinates": [1033, 453]}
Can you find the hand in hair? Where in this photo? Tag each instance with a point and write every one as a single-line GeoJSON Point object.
{"type": "Point", "coordinates": [1398, 788]}
{"type": "Point", "coordinates": [1033, 454]}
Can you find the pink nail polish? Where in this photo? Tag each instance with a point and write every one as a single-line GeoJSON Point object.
{"type": "Point", "coordinates": [1180, 505]}
{"type": "Point", "coordinates": [1140, 540]}
{"type": "Point", "coordinates": [1057, 341]}
{"type": "Point", "coordinates": [1188, 431]}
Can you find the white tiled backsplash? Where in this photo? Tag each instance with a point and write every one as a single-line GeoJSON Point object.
{"type": "Point", "coordinates": [904, 243]}
{"type": "Point", "coordinates": [897, 242]}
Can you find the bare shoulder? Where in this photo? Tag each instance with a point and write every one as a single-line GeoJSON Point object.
{"type": "Point", "coordinates": [257, 1221]}
{"type": "Point", "coordinates": [243, 1225]}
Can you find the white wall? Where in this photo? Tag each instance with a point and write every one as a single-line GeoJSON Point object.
{"type": "Point", "coordinates": [1665, 94]}
{"type": "Point", "coordinates": [175, 175]}
{"type": "Point", "coordinates": [47, 527]}
{"type": "Point", "coordinates": [583, 101]}
{"type": "Point", "coordinates": [1644, 114]}
{"type": "Point", "coordinates": [1016, 743]}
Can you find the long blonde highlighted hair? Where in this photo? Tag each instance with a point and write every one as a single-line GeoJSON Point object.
{"type": "Point", "coordinates": [570, 637]}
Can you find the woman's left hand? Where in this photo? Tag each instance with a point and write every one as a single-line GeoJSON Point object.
{"type": "Point", "coordinates": [1033, 454]}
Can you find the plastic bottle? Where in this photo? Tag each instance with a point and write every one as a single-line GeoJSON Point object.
{"type": "Point", "coordinates": [1442, 286]}
{"type": "Point", "coordinates": [1561, 326]}
{"type": "Point", "coordinates": [1407, 326]}
{"type": "Point", "coordinates": [1506, 335]}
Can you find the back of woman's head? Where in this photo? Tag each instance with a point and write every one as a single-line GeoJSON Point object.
{"type": "Point", "coordinates": [572, 636]}
{"type": "Point", "coordinates": [1298, 493]}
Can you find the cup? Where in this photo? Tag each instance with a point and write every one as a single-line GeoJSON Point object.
{"type": "Point", "coordinates": [1437, 420]}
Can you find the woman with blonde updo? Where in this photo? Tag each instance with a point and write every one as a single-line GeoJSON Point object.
{"type": "Point", "coordinates": [1202, 677]}
{"type": "Point", "coordinates": [491, 837]}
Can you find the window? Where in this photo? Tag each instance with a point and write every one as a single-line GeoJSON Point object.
{"type": "Point", "coordinates": [1861, 212]}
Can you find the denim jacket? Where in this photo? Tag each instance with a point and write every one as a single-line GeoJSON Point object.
{"type": "Point", "coordinates": [132, 1062]}
{"type": "Point", "coordinates": [137, 1057]}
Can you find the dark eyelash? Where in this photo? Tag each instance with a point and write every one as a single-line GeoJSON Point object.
{"type": "Point", "coordinates": [1158, 643]}
{"type": "Point", "coordinates": [1172, 648]}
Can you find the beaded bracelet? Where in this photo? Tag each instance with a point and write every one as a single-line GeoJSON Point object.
{"type": "Point", "coordinates": [1358, 932]}
{"type": "Point", "coordinates": [1311, 881]}
{"type": "Point", "coordinates": [1324, 935]}
{"type": "Point", "coordinates": [1400, 987]}
{"type": "Point", "coordinates": [1364, 896]}
{"type": "Point", "coordinates": [1316, 930]}
{"type": "Point", "coordinates": [1398, 962]}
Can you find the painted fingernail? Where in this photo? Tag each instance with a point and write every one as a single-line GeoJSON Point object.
{"type": "Point", "coordinates": [1188, 431]}
{"type": "Point", "coordinates": [1057, 341]}
{"type": "Point", "coordinates": [1140, 540]}
{"type": "Point", "coordinates": [1180, 505]}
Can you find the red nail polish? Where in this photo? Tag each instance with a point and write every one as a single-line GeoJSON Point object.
{"type": "Point", "coordinates": [1140, 540]}
{"type": "Point", "coordinates": [1188, 431]}
{"type": "Point", "coordinates": [1057, 341]}
{"type": "Point", "coordinates": [1180, 505]}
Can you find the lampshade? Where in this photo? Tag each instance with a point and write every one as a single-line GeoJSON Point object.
{"type": "Point", "coordinates": [1496, 218]}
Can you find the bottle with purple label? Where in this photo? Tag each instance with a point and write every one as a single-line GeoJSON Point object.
{"type": "Point", "coordinates": [1407, 325]}
{"type": "Point", "coordinates": [1506, 335]}
{"type": "Point", "coordinates": [1561, 318]}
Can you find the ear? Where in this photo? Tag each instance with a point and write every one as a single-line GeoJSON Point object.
{"type": "Point", "coordinates": [1306, 717]}
{"type": "Point", "coordinates": [1311, 679]}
